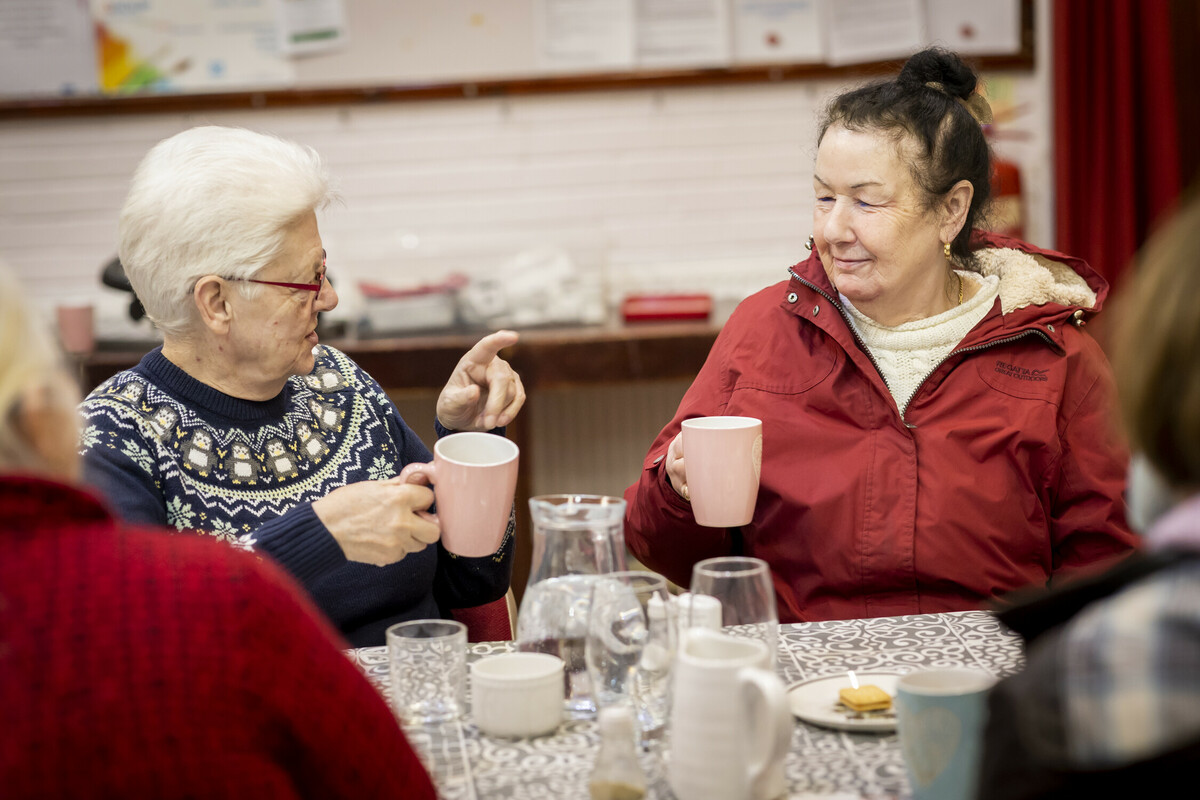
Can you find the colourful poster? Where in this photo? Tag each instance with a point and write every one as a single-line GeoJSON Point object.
{"type": "Point", "coordinates": [188, 46]}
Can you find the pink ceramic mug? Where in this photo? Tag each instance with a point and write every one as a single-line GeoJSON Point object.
{"type": "Point", "coordinates": [474, 477]}
{"type": "Point", "coordinates": [75, 328]}
{"type": "Point", "coordinates": [722, 457]}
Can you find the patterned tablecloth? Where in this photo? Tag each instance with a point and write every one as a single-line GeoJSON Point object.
{"type": "Point", "coordinates": [822, 763]}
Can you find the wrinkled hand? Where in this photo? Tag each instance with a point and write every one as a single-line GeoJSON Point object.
{"type": "Point", "coordinates": [379, 522]}
{"type": "Point", "coordinates": [676, 471]}
{"type": "Point", "coordinates": [484, 392]}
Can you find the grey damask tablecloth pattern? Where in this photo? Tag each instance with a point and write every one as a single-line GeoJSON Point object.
{"type": "Point", "coordinates": [468, 765]}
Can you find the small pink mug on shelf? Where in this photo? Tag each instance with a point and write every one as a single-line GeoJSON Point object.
{"type": "Point", "coordinates": [722, 457]}
{"type": "Point", "coordinates": [76, 328]}
{"type": "Point", "coordinates": [474, 478]}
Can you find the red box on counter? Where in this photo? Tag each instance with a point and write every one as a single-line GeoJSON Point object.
{"type": "Point", "coordinates": [661, 307]}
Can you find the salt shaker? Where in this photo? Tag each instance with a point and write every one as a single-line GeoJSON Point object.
{"type": "Point", "coordinates": [617, 775]}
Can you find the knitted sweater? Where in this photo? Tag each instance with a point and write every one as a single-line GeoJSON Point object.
{"type": "Point", "coordinates": [907, 353]}
{"type": "Point", "coordinates": [169, 450]}
{"type": "Point", "coordinates": [134, 664]}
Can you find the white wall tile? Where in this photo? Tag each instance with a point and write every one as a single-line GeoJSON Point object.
{"type": "Point", "coordinates": [652, 185]}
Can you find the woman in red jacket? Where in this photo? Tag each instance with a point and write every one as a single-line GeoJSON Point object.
{"type": "Point", "coordinates": [936, 426]}
{"type": "Point", "coordinates": [134, 664]}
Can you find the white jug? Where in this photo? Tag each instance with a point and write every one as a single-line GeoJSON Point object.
{"type": "Point", "coordinates": [730, 723]}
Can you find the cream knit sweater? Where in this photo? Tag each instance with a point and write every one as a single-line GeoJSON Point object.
{"type": "Point", "coordinates": [907, 353]}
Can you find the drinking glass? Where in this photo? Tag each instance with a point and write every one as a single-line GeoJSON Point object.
{"type": "Point", "coordinates": [743, 587]}
{"type": "Point", "coordinates": [575, 538]}
{"type": "Point", "coordinates": [427, 661]}
{"type": "Point", "coordinates": [631, 645]}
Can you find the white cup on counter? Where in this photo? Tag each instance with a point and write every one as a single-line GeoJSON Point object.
{"type": "Point", "coordinates": [517, 695]}
{"type": "Point", "coordinates": [698, 611]}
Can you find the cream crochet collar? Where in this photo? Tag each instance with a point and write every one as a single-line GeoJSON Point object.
{"type": "Point", "coordinates": [931, 331]}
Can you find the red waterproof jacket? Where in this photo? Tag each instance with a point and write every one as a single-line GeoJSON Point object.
{"type": "Point", "coordinates": [1004, 470]}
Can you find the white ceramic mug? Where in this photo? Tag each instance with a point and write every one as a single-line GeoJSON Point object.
{"type": "Point", "coordinates": [730, 723]}
{"type": "Point", "coordinates": [723, 458]}
{"type": "Point", "coordinates": [517, 694]}
{"type": "Point", "coordinates": [474, 477]}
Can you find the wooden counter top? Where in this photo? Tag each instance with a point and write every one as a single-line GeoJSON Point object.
{"type": "Point", "coordinates": [543, 357]}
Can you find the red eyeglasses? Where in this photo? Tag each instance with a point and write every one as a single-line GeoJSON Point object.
{"type": "Point", "coordinates": [310, 287]}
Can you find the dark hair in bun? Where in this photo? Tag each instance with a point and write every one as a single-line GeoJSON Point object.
{"type": "Point", "coordinates": [932, 102]}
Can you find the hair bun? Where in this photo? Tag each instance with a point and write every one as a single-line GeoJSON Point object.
{"type": "Point", "coordinates": [941, 66]}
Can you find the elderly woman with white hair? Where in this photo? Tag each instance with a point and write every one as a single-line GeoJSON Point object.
{"type": "Point", "coordinates": [241, 425]}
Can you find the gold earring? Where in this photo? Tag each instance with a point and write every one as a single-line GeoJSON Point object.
{"type": "Point", "coordinates": [946, 250]}
{"type": "Point", "coordinates": [809, 244]}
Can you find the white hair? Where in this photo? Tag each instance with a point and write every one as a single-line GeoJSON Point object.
{"type": "Point", "coordinates": [212, 201]}
{"type": "Point", "coordinates": [29, 360]}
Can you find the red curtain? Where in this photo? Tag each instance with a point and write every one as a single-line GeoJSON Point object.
{"type": "Point", "coordinates": [1117, 165]}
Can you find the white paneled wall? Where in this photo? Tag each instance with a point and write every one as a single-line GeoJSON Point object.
{"type": "Point", "coordinates": [700, 188]}
{"type": "Point", "coordinates": [633, 182]}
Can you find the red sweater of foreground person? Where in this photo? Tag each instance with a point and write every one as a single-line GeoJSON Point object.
{"type": "Point", "coordinates": [134, 664]}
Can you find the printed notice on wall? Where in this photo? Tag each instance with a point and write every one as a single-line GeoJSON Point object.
{"type": "Point", "coordinates": [682, 33]}
{"type": "Point", "coordinates": [311, 26]}
{"type": "Point", "coordinates": [766, 31]}
{"type": "Point", "coordinates": [975, 27]}
{"type": "Point", "coordinates": [188, 45]}
{"type": "Point", "coordinates": [584, 35]}
{"type": "Point", "coordinates": [46, 48]}
{"type": "Point", "coordinates": [859, 31]}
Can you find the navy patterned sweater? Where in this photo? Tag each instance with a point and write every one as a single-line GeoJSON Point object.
{"type": "Point", "coordinates": [166, 449]}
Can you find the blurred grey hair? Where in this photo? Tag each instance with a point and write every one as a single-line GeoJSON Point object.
{"type": "Point", "coordinates": [29, 359]}
{"type": "Point", "coordinates": [212, 201]}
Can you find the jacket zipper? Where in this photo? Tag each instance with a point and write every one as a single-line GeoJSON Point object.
{"type": "Point", "coordinates": [974, 348]}
{"type": "Point", "coordinates": [853, 332]}
{"type": "Point", "coordinates": [863, 346]}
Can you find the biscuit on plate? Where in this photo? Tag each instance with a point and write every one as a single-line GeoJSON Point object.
{"type": "Point", "coordinates": [865, 698]}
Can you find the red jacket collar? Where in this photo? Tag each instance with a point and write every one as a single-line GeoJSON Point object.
{"type": "Point", "coordinates": [1048, 321]}
{"type": "Point", "coordinates": [812, 271]}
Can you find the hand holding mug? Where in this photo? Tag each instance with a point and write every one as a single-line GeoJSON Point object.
{"type": "Point", "coordinates": [420, 473]}
{"type": "Point", "coordinates": [379, 522]}
{"type": "Point", "coordinates": [474, 478]}
{"type": "Point", "coordinates": [676, 471]}
{"type": "Point", "coordinates": [724, 459]}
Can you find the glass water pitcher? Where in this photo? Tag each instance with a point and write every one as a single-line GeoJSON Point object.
{"type": "Point", "coordinates": [575, 538]}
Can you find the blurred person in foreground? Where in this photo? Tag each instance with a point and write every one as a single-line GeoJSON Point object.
{"type": "Point", "coordinates": [936, 426]}
{"type": "Point", "coordinates": [242, 426]}
{"type": "Point", "coordinates": [1108, 704]}
{"type": "Point", "coordinates": [136, 664]}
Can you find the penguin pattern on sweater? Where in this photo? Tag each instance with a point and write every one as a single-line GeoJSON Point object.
{"type": "Point", "coordinates": [169, 450]}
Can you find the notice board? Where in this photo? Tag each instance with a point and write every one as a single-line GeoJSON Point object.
{"type": "Point", "coordinates": [112, 56]}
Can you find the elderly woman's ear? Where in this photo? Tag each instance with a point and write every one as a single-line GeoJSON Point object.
{"type": "Point", "coordinates": [955, 205]}
{"type": "Point", "coordinates": [211, 296]}
{"type": "Point", "coordinates": [47, 421]}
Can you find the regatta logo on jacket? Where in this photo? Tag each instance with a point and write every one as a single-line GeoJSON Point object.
{"type": "Point", "coordinates": [1020, 373]}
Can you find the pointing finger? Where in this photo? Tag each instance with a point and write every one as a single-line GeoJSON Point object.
{"type": "Point", "coordinates": [486, 348]}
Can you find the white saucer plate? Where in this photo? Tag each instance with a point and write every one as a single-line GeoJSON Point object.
{"type": "Point", "coordinates": [816, 701]}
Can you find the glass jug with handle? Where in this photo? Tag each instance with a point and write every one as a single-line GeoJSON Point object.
{"type": "Point", "coordinates": [575, 538]}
